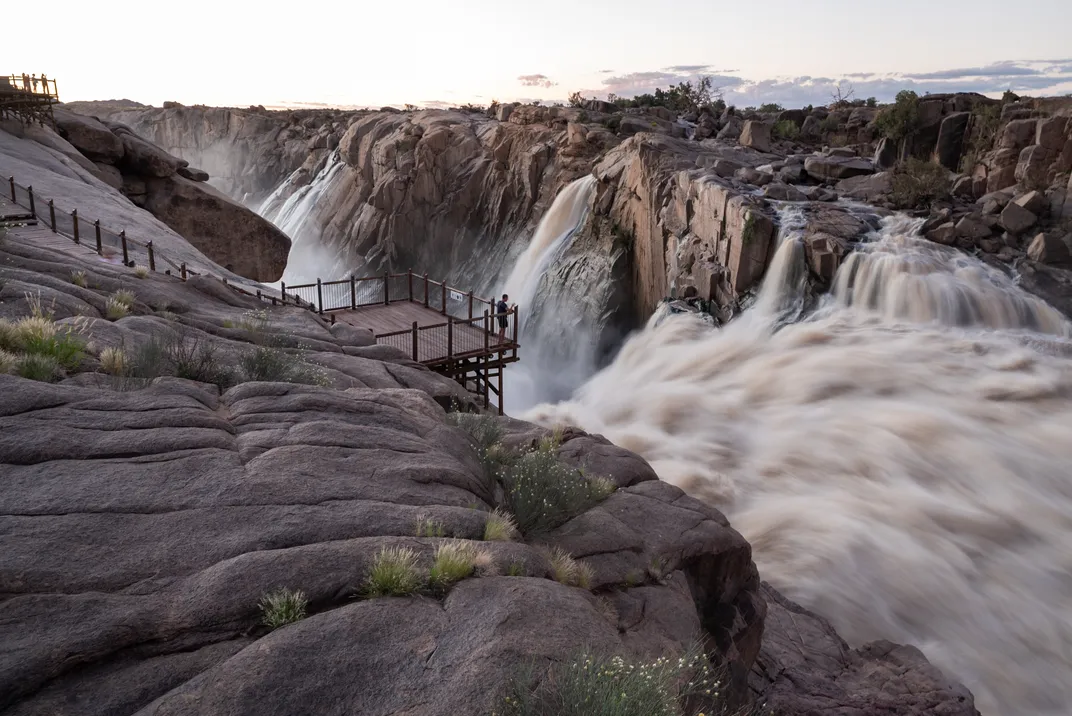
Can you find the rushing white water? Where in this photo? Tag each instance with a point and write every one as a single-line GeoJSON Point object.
{"type": "Point", "coordinates": [546, 363]}
{"type": "Point", "coordinates": [309, 257]}
{"type": "Point", "coordinates": [899, 461]}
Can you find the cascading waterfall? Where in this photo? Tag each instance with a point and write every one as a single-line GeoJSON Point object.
{"type": "Point", "coordinates": [552, 328]}
{"type": "Point", "coordinates": [309, 258]}
{"type": "Point", "coordinates": [898, 460]}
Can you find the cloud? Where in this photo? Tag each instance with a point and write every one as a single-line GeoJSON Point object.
{"type": "Point", "coordinates": [605, 72]}
{"type": "Point", "coordinates": [536, 81]}
{"type": "Point", "coordinates": [1036, 76]}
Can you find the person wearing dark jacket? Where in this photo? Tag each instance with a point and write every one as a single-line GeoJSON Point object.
{"type": "Point", "coordinates": [500, 311]}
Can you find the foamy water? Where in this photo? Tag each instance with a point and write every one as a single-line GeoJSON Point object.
{"type": "Point", "coordinates": [900, 461]}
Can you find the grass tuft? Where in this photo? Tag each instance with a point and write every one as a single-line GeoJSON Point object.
{"type": "Point", "coordinates": [542, 493]}
{"type": "Point", "coordinates": [36, 366]}
{"type": "Point", "coordinates": [113, 361]}
{"type": "Point", "coordinates": [78, 278]}
{"type": "Point", "coordinates": [428, 527]}
{"type": "Point", "coordinates": [141, 272]}
{"type": "Point", "coordinates": [516, 569]}
{"type": "Point", "coordinates": [275, 365]}
{"type": "Point", "coordinates": [566, 570]}
{"type": "Point", "coordinates": [394, 573]}
{"type": "Point", "coordinates": [453, 562]}
{"type": "Point", "coordinates": [116, 307]}
{"type": "Point", "coordinates": [8, 361]}
{"type": "Point", "coordinates": [282, 607]}
{"type": "Point", "coordinates": [500, 527]}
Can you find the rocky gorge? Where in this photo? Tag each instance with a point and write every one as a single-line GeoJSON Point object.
{"type": "Point", "coordinates": [301, 484]}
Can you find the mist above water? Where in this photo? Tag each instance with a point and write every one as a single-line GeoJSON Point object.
{"type": "Point", "coordinates": [899, 460]}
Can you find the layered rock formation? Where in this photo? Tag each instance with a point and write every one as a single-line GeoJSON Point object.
{"type": "Point", "coordinates": [229, 234]}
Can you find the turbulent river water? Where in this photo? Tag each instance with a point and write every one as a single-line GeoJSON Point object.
{"type": "Point", "coordinates": [899, 458]}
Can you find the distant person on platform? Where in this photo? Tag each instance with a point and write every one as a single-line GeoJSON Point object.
{"type": "Point", "coordinates": [44, 83]}
{"type": "Point", "coordinates": [33, 79]}
{"type": "Point", "coordinates": [501, 308]}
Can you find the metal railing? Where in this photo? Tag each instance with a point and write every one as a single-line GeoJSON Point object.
{"type": "Point", "coordinates": [468, 329]}
{"type": "Point", "coordinates": [81, 230]}
{"type": "Point", "coordinates": [24, 84]}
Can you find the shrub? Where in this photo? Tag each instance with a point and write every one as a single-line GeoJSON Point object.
{"type": "Point", "coordinates": [985, 120]}
{"type": "Point", "coordinates": [38, 367]}
{"type": "Point", "coordinates": [38, 335]}
{"type": "Point", "coordinates": [499, 527]}
{"type": "Point", "coordinates": [453, 562]}
{"type": "Point", "coordinates": [829, 124]}
{"type": "Point", "coordinates": [8, 361]}
{"type": "Point", "coordinates": [141, 272]}
{"type": "Point", "coordinates": [487, 431]}
{"type": "Point", "coordinates": [275, 365]}
{"type": "Point", "coordinates": [566, 570]}
{"type": "Point", "coordinates": [786, 129]}
{"type": "Point", "coordinates": [78, 278]}
{"type": "Point", "coordinates": [542, 493]}
{"type": "Point", "coordinates": [916, 184]}
{"type": "Point", "coordinates": [113, 361]}
{"type": "Point", "coordinates": [282, 607]}
{"type": "Point", "coordinates": [901, 118]}
{"type": "Point", "coordinates": [591, 685]}
{"type": "Point", "coordinates": [770, 107]}
{"type": "Point", "coordinates": [871, 102]}
{"type": "Point", "coordinates": [393, 573]}
{"type": "Point", "coordinates": [427, 527]}
{"type": "Point", "coordinates": [196, 360]}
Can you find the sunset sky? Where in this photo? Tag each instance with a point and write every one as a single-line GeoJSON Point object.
{"type": "Point", "coordinates": [446, 53]}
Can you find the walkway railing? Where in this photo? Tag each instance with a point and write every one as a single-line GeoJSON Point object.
{"type": "Point", "coordinates": [82, 231]}
{"type": "Point", "coordinates": [468, 328]}
{"type": "Point", "coordinates": [28, 98]}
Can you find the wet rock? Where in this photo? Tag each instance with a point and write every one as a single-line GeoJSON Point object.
{"type": "Point", "coordinates": [972, 228]}
{"type": "Point", "coordinates": [950, 144]}
{"type": "Point", "coordinates": [944, 234]}
{"type": "Point", "coordinates": [830, 168]}
{"type": "Point", "coordinates": [963, 187]}
{"type": "Point", "coordinates": [783, 192]}
{"type": "Point", "coordinates": [866, 187]}
{"type": "Point", "coordinates": [886, 154]}
{"type": "Point", "coordinates": [1050, 249]}
{"type": "Point", "coordinates": [753, 176]}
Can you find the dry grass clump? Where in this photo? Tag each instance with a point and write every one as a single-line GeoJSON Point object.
{"type": "Point", "coordinates": [566, 570]}
{"type": "Point", "coordinates": [500, 526]}
{"type": "Point", "coordinates": [282, 607]}
{"type": "Point", "coordinates": [113, 361]}
{"type": "Point", "coordinates": [394, 573]}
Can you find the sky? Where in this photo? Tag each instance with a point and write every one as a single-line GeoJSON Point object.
{"type": "Point", "coordinates": [435, 53]}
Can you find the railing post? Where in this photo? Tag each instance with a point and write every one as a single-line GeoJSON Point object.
{"type": "Point", "coordinates": [499, 375]}
{"type": "Point", "coordinates": [100, 244]}
{"type": "Point", "coordinates": [450, 337]}
{"type": "Point", "coordinates": [487, 332]}
{"type": "Point", "coordinates": [52, 215]}
{"type": "Point", "coordinates": [152, 257]}
{"type": "Point", "coordinates": [487, 382]}
{"type": "Point", "coordinates": [386, 288]}
{"type": "Point", "coordinates": [515, 325]}
{"type": "Point", "coordinates": [11, 180]}
{"type": "Point", "coordinates": [470, 305]}
{"type": "Point", "coordinates": [33, 209]}
{"type": "Point", "coordinates": [426, 290]}
{"type": "Point", "coordinates": [353, 293]}
{"type": "Point", "coordinates": [123, 240]}
{"type": "Point", "coordinates": [283, 292]}
{"type": "Point", "coordinates": [182, 270]}
{"type": "Point", "coordinates": [74, 220]}
{"type": "Point", "coordinates": [409, 280]}
{"type": "Point", "coordinates": [444, 298]}
{"type": "Point", "coordinates": [415, 343]}
{"type": "Point", "coordinates": [320, 297]}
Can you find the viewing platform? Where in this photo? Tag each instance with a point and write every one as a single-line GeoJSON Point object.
{"type": "Point", "coordinates": [454, 333]}
{"type": "Point", "coordinates": [28, 98]}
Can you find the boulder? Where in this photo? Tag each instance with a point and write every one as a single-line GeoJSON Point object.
{"type": "Point", "coordinates": [89, 136]}
{"type": "Point", "coordinates": [972, 228]}
{"type": "Point", "coordinates": [886, 154]}
{"type": "Point", "coordinates": [963, 187]}
{"type": "Point", "coordinates": [1016, 219]}
{"type": "Point", "coordinates": [598, 105]}
{"type": "Point", "coordinates": [756, 135]}
{"type": "Point", "coordinates": [1034, 201]}
{"type": "Point", "coordinates": [753, 176]}
{"type": "Point", "coordinates": [944, 234]}
{"type": "Point", "coordinates": [950, 145]}
{"type": "Point", "coordinates": [839, 152]}
{"type": "Point", "coordinates": [503, 111]}
{"type": "Point", "coordinates": [1050, 133]}
{"type": "Point", "coordinates": [193, 174]}
{"type": "Point", "coordinates": [1050, 249]}
{"type": "Point", "coordinates": [812, 128]}
{"type": "Point", "coordinates": [792, 174]}
{"type": "Point", "coordinates": [632, 124]}
{"type": "Point", "coordinates": [783, 192]}
{"type": "Point", "coordinates": [1018, 134]}
{"type": "Point", "coordinates": [726, 168]}
{"type": "Point", "coordinates": [824, 253]}
{"type": "Point", "coordinates": [731, 130]}
{"type": "Point", "coordinates": [867, 187]}
{"type": "Point", "coordinates": [796, 116]}
{"type": "Point", "coordinates": [146, 159]}
{"type": "Point", "coordinates": [109, 175]}
{"type": "Point", "coordinates": [1033, 166]}
{"type": "Point", "coordinates": [830, 168]}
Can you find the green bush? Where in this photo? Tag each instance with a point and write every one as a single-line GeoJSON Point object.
{"type": "Point", "coordinates": [542, 493]}
{"type": "Point", "coordinates": [770, 107]}
{"type": "Point", "coordinates": [282, 607]}
{"type": "Point", "coordinates": [393, 573]}
{"type": "Point", "coordinates": [786, 129]}
{"type": "Point", "coordinates": [901, 118]}
{"type": "Point", "coordinates": [917, 184]}
{"type": "Point", "coordinates": [193, 359]}
{"type": "Point", "coordinates": [275, 365]}
{"type": "Point", "coordinates": [35, 366]}
{"type": "Point", "coordinates": [42, 350]}
{"type": "Point", "coordinates": [596, 685]}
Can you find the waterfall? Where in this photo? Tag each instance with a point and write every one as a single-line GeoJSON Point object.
{"type": "Point", "coordinates": [782, 292]}
{"type": "Point", "coordinates": [309, 258]}
{"type": "Point", "coordinates": [553, 328]}
{"type": "Point", "coordinates": [898, 459]}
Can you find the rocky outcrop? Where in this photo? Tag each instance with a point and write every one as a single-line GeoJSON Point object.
{"type": "Point", "coordinates": [226, 232]}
